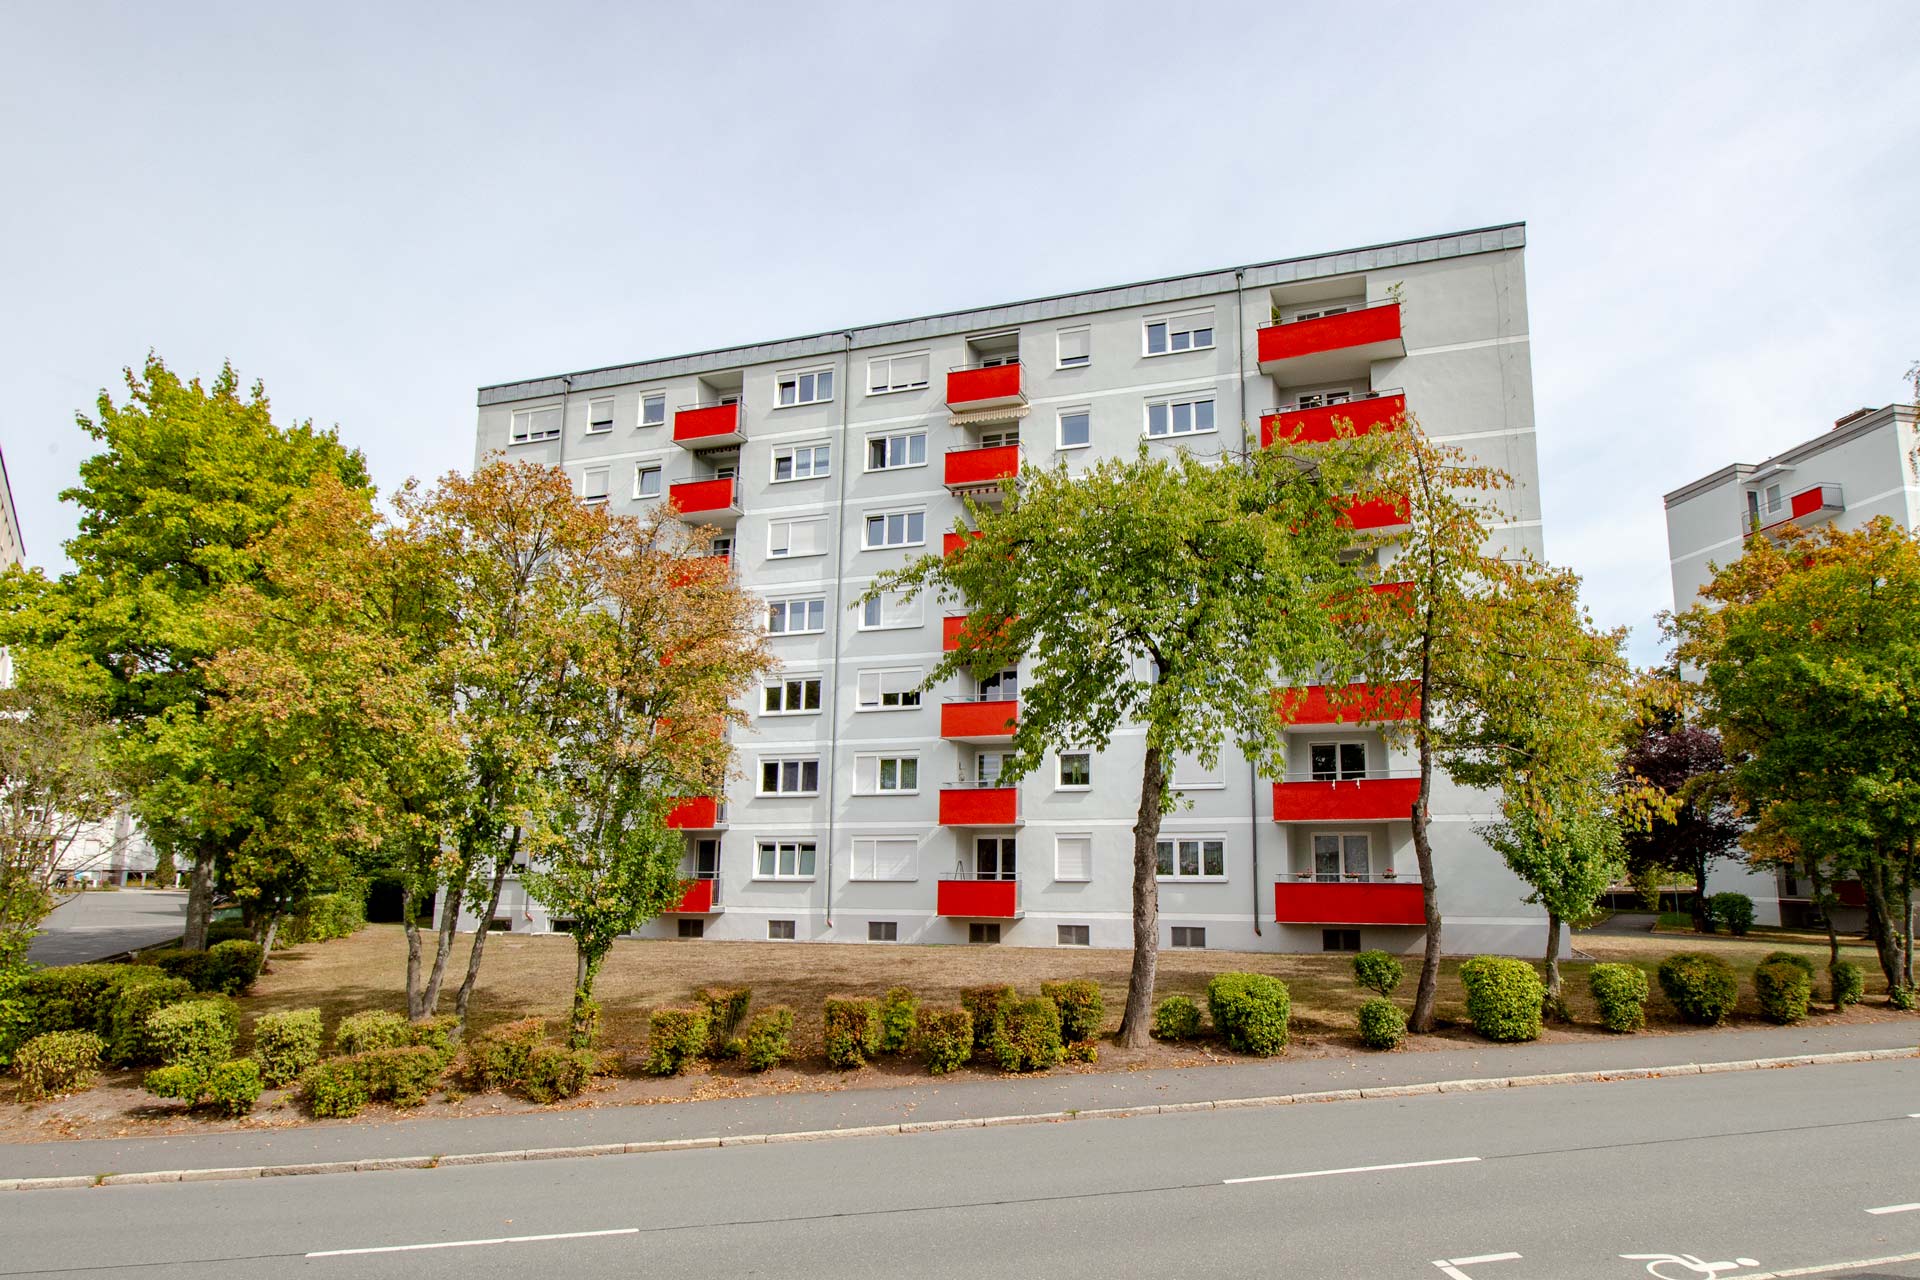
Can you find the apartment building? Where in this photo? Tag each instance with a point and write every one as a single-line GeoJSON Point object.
{"type": "Point", "coordinates": [865, 810]}
{"type": "Point", "coordinates": [1866, 465]}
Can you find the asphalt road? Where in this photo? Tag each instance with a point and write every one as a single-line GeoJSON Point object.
{"type": "Point", "coordinates": [104, 923]}
{"type": "Point", "coordinates": [1734, 1175]}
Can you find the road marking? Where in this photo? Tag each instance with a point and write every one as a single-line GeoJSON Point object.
{"type": "Point", "coordinates": [1895, 1208]}
{"type": "Point", "coordinates": [1359, 1168]}
{"type": "Point", "coordinates": [1828, 1268]}
{"type": "Point", "coordinates": [471, 1244]}
{"type": "Point", "coordinates": [1451, 1266]}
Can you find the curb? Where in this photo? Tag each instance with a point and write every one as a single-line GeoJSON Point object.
{"type": "Point", "coordinates": [938, 1126]}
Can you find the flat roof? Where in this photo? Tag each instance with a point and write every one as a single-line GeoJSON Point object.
{"type": "Point", "coordinates": [1860, 425]}
{"type": "Point", "coordinates": [1511, 235]}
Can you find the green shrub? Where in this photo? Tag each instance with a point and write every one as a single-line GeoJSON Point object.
{"type": "Point", "coordinates": [233, 1087]}
{"type": "Point", "coordinates": [181, 1080]}
{"type": "Point", "coordinates": [74, 997]}
{"type": "Point", "coordinates": [182, 963]}
{"type": "Point", "coordinates": [944, 1034]}
{"type": "Point", "coordinates": [1732, 911]}
{"type": "Point", "coordinates": [897, 1010]}
{"type": "Point", "coordinates": [726, 1010]}
{"type": "Point", "coordinates": [769, 1038]}
{"type": "Point", "coordinates": [1026, 1036]}
{"type": "Point", "coordinates": [1846, 984]}
{"type": "Point", "coordinates": [1382, 1024]}
{"type": "Point", "coordinates": [371, 1029]}
{"type": "Point", "coordinates": [331, 1088]}
{"type": "Point", "coordinates": [232, 966]}
{"type": "Point", "coordinates": [852, 1029]}
{"type": "Point", "coordinates": [1701, 987]}
{"type": "Point", "coordinates": [196, 1033]}
{"type": "Point", "coordinates": [137, 993]}
{"type": "Point", "coordinates": [58, 1062]}
{"type": "Point", "coordinates": [1901, 997]}
{"type": "Point", "coordinates": [403, 1076]}
{"type": "Point", "coordinates": [228, 930]}
{"type": "Point", "coordinates": [984, 1003]}
{"type": "Point", "coordinates": [1177, 1018]}
{"type": "Point", "coordinates": [1621, 992]}
{"type": "Point", "coordinates": [286, 1044]}
{"type": "Point", "coordinates": [1378, 971]}
{"type": "Point", "coordinates": [325, 916]}
{"type": "Point", "coordinates": [1503, 997]}
{"type": "Point", "coordinates": [435, 1034]}
{"type": "Point", "coordinates": [1251, 1011]}
{"type": "Point", "coordinates": [1784, 990]}
{"type": "Point", "coordinates": [1082, 1009]}
{"type": "Point", "coordinates": [679, 1035]}
{"type": "Point", "coordinates": [554, 1073]}
{"type": "Point", "coordinates": [1793, 958]}
{"type": "Point", "coordinates": [1083, 1051]}
{"type": "Point", "coordinates": [499, 1058]}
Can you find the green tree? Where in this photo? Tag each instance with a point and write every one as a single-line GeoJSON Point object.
{"type": "Point", "coordinates": [1166, 592]}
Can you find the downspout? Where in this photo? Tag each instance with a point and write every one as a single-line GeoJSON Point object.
{"type": "Point", "coordinates": [1246, 450]}
{"type": "Point", "coordinates": [839, 582]}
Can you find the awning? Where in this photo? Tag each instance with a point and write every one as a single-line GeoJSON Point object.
{"type": "Point", "coordinates": [984, 417]}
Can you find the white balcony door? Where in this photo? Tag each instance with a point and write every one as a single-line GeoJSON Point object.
{"type": "Point", "coordinates": [993, 858]}
{"type": "Point", "coordinates": [1338, 856]}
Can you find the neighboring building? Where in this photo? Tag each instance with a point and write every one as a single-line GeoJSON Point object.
{"type": "Point", "coordinates": [1863, 467]}
{"type": "Point", "coordinates": [867, 812]}
{"type": "Point", "coordinates": [13, 550]}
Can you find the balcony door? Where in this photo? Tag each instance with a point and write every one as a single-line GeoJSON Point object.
{"type": "Point", "coordinates": [1338, 856]}
{"type": "Point", "coordinates": [1001, 686]}
{"type": "Point", "coordinates": [989, 765]}
{"type": "Point", "coordinates": [706, 858]}
{"type": "Point", "coordinates": [993, 858]}
{"type": "Point", "coordinates": [1338, 761]}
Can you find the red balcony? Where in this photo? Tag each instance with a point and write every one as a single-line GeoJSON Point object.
{"type": "Point", "coordinates": [1352, 800]}
{"type": "Point", "coordinates": [982, 469]}
{"type": "Point", "coordinates": [953, 630]}
{"type": "Point", "coordinates": [968, 720]}
{"type": "Point", "coordinates": [979, 899]}
{"type": "Point", "coordinates": [1809, 507]}
{"type": "Point", "coordinates": [700, 899]}
{"type": "Point", "coordinates": [706, 501]}
{"type": "Point", "coordinates": [1379, 513]}
{"type": "Point", "coordinates": [952, 542]}
{"type": "Point", "coordinates": [1319, 704]}
{"type": "Point", "coordinates": [702, 813]}
{"type": "Point", "coordinates": [1349, 902]}
{"type": "Point", "coordinates": [992, 387]}
{"type": "Point", "coordinates": [707, 426]}
{"type": "Point", "coordinates": [1329, 347]}
{"type": "Point", "coordinates": [1316, 426]}
{"type": "Point", "coordinates": [979, 806]}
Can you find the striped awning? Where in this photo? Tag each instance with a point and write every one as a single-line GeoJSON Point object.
{"type": "Point", "coordinates": [985, 417]}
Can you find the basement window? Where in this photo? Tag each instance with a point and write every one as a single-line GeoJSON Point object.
{"type": "Point", "coordinates": [693, 928]}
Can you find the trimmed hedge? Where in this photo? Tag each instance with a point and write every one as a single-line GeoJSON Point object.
{"type": "Point", "coordinates": [944, 1034]}
{"type": "Point", "coordinates": [984, 1004]}
{"type": "Point", "coordinates": [231, 1088]}
{"type": "Point", "coordinates": [403, 1076]}
{"type": "Point", "coordinates": [1701, 987]}
{"type": "Point", "coordinates": [369, 1030]}
{"type": "Point", "coordinates": [1378, 971]}
{"type": "Point", "coordinates": [1177, 1018]}
{"type": "Point", "coordinates": [1846, 984]}
{"type": "Point", "coordinates": [1082, 1008]}
{"type": "Point", "coordinates": [726, 1010]}
{"type": "Point", "coordinates": [74, 997]}
{"type": "Point", "coordinates": [285, 1044]}
{"type": "Point", "coordinates": [897, 1009]}
{"type": "Point", "coordinates": [233, 965]}
{"type": "Point", "coordinates": [1621, 992]}
{"type": "Point", "coordinates": [325, 916]}
{"type": "Point", "coordinates": [1901, 997]}
{"type": "Point", "coordinates": [499, 1058]}
{"type": "Point", "coordinates": [852, 1029]}
{"type": "Point", "coordinates": [1251, 1011]}
{"type": "Point", "coordinates": [1784, 990]}
{"type": "Point", "coordinates": [1381, 1022]}
{"type": "Point", "coordinates": [769, 1038]}
{"type": "Point", "coordinates": [435, 1034]}
{"type": "Point", "coordinates": [1503, 997]}
{"type": "Point", "coordinates": [1793, 958]}
{"type": "Point", "coordinates": [196, 1033]}
{"type": "Point", "coordinates": [1733, 911]}
{"type": "Point", "coordinates": [58, 1062]}
{"type": "Point", "coordinates": [678, 1036]}
{"type": "Point", "coordinates": [1026, 1037]}
{"type": "Point", "coordinates": [137, 994]}
{"type": "Point", "coordinates": [335, 1088]}
{"type": "Point", "coordinates": [555, 1072]}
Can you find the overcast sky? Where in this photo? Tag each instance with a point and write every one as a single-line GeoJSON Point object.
{"type": "Point", "coordinates": [377, 208]}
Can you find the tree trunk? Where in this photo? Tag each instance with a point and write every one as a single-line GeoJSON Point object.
{"type": "Point", "coordinates": [1880, 926]}
{"type": "Point", "coordinates": [500, 868]}
{"type": "Point", "coordinates": [1553, 956]}
{"type": "Point", "coordinates": [1136, 1024]}
{"type": "Point", "coordinates": [199, 902]}
{"type": "Point", "coordinates": [442, 946]}
{"type": "Point", "coordinates": [1702, 921]}
{"type": "Point", "coordinates": [412, 928]}
{"type": "Point", "coordinates": [1429, 987]}
{"type": "Point", "coordinates": [266, 942]}
{"type": "Point", "coordinates": [1906, 917]}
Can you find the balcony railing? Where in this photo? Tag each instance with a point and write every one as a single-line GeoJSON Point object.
{"type": "Point", "coordinates": [972, 899]}
{"type": "Point", "coordinates": [707, 501]}
{"type": "Point", "coordinates": [1377, 797]}
{"type": "Point", "coordinates": [973, 386]}
{"type": "Point", "coordinates": [1318, 704]}
{"type": "Point", "coordinates": [1328, 347]}
{"type": "Point", "coordinates": [979, 719]}
{"type": "Point", "coordinates": [952, 542]}
{"type": "Point", "coordinates": [982, 469]}
{"type": "Point", "coordinates": [979, 804]}
{"type": "Point", "coordinates": [702, 898]}
{"type": "Point", "coordinates": [699, 813]}
{"type": "Point", "coordinates": [1368, 411]}
{"type": "Point", "coordinates": [707, 426]}
{"type": "Point", "coordinates": [1369, 900]}
{"type": "Point", "coordinates": [1808, 507]}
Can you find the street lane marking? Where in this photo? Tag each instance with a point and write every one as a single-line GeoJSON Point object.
{"type": "Point", "coordinates": [1828, 1268]}
{"type": "Point", "coordinates": [472, 1244]}
{"type": "Point", "coordinates": [1450, 1267]}
{"type": "Point", "coordinates": [1362, 1168]}
{"type": "Point", "coordinates": [1895, 1208]}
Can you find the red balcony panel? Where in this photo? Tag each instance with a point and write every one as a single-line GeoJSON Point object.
{"type": "Point", "coordinates": [1807, 507]}
{"type": "Point", "coordinates": [1361, 800]}
{"type": "Point", "coordinates": [952, 542]}
{"type": "Point", "coordinates": [986, 388]}
{"type": "Point", "coordinates": [979, 806]}
{"type": "Point", "coordinates": [1354, 704]}
{"type": "Point", "coordinates": [1379, 513]}
{"type": "Point", "coordinates": [705, 499]}
{"type": "Point", "coordinates": [1307, 902]}
{"type": "Point", "coordinates": [976, 721]}
{"type": "Point", "coordinates": [702, 426]}
{"type": "Point", "coordinates": [1310, 349]}
{"type": "Point", "coordinates": [979, 899]}
{"type": "Point", "coordinates": [702, 813]}
{"type": "Point", "coordinates": [950, 629]}
{"type": "Point", "coordinates": [697, 900]}
{"type": "Point", "coordinates": [977, 468]}
{"type": "Point", "coordinates": [1316, 426]}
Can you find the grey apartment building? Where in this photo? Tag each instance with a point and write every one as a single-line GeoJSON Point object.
{"type": "Point", "coordinates": [863, 810]}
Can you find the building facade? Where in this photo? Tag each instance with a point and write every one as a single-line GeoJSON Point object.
{"type": "Point", "coordinates": [1865, 466]}
{"type": "Point", "coordinates": [864, 810]}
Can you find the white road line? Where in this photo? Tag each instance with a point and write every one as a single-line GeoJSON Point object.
{"type": "Point", "coordinates": [1895, 1208]}
{"type": "Point", "coordinates": [1828, 1268]}
{"type": "Point", "coordinates": [1450, 1267]}
{"type": "Point", "coordinates": [1363, 1168]}
{"type": "Point", "coordinates": [471, 1244]}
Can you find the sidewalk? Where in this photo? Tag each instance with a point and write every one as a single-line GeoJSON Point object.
{"type": "Point", "coordinates": [852, 1108]}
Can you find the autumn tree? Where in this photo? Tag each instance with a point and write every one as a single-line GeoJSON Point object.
{"type": "Point", "coordinates": [1674, 776]}
{"type": "Point", "coordinates": [1167, 592]}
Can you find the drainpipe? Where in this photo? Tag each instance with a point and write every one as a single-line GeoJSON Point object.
{"type": "Point", "coordinates": [1246, 448]}
{"type": "Point", "coordinates": [839, 561]}
{"type": "Point", "coordinates": [566, 390]}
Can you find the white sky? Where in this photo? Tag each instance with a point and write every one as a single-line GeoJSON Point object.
{"type": "Point", "coordinates": [377, 208]}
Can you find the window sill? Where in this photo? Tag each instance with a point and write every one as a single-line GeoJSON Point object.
{"type": "Point", "coordinates": [786, 795]}
{"type": "Point", "coordinates": [781, 880]}
{"type": "Point", "coordinates": [800, 404]}
{"type": "Point", "coordinates": [1073, 880]}
{"type": "Point", "coordinates": [896, 391]}
{"type": "Point", "coordinates": [884, 795]}
{"type": "Point", "coordinates": [861, 711]}
{"type": "Point", "coordinates": [1068, 448]}
{"type": "Point", "coordinates": [512, 444]}
{"type": "Point", "coordinates": [884, 880]}
{"type": "Point", "coordinates": [600, 431]}
{"type": "Point", "coordinates": [1088, 787]}
{"type": "Point", "coordinates": [1178, 435]}
{"type": "Point", "coordinates": [1192, 880]}
{"type": "Point", "coordinates": [787, 715]}
{"type": "Point", "coordinates": [804, 555]}
{"type": "Point", "coordinates": [1084, 364]}
{"type": "Point", "coordinates": [905, 466]}
{"type": "Point", "coordinates": [1184, 351]}
{"type": "Point", "coordinates": [896, 546]}
{"type": "Point", "coordinates": [777, 635]}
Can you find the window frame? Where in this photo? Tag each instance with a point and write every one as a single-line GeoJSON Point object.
{"type": "Point", "coordinates": [1342, 876]}
{"type": "Point", "coordinates": [1210, 398]}
{"type": "Point", "coordinates": [1174, 931]}
{"type": "Point", "coordinates": [871, 874]}
{"type": "Point", "coordinates": [1085, 937]}
{"type": "Point", "coordinates": [880, 760]}
{"type": "Point", "coordinates": [885, 519]}
{"type": "Point", "coordinates": [788, 524]}
{"type": "Point", "coordinates": [888, 437]}
{"type": "Point", "coordinates": [1060, 782]}
{"type": "Point", "coordinates": [1200, 838]}
{"type": "Point", "coordinates": [793, 377]}
{"type": "Point", "coordinates": [528, 437]}
{"type": "Point", "coordinates": [880, 602]}
{"type": "Point", "coordinates": [1338, 746]}
{"type": "Point", "coordinates": [606, 484]}
{"type": "Point", "coordinates": [809, 845]}
{"type": "Point", "coordinates": [783, 683]}
{"type": "Point", "coordinates": [1058, 838]}
{"type": "Point", "coordinates": [1060, 360]}
{"type": "Point", "coordinates": [779, 763]}
{"type": "Point", "coordinates": [1060, 426]}
{"type": "Point", "coordinates": [1168, 320]}
{"type": "Point", "coordinates": [787, 603]}
{"type": "Point", "coordinates": [893, 926]}
{"type": "Point", "coordinates": [860, 705]}
{"type": "Point", "coordinates": [1215, 781]}
{"type": "Point", "coordinates": [593, 430]}
{"type": "Point", "coordinates": [816, 469]}
{"type": "Point", "coordinates": [890, 389]}
{"type": "Point", "coordinates": [792, 933]}
{"type": "Point", "coordinates": [648, 398]}
{"type": "Point", "coordinates": [643, 469]}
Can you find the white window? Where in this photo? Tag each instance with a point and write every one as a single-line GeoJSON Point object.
{"type": "Point", "coordinates": [802, 462]}
{"type": "Point", "coordinates": [886, 775]}
{"type": "Point", "coordinates": [1076, 770]}
{"type": "Point", "coordinates": [897, 373]}
{"type": "Point", "coordinates": [1189, 938]}
{"type": "Point", "coordinates": [896, 529]}
{"type": "Point", "coordinates": [794, 776]}
{"type": "Point", "coordinates": [536, 424]}
{"type": "Point", "coordinates": [895, 689]}
{"type": "Point", "coordinates": [653, 409]}
{"type": "Point", "coordinates": [793, 696]}
{"type": "Point", "coordinates": [885, 858]}
{"type": "Point", "coordinates": [890, 613]}
{"type": "Point", "coordinates": [1337, 761]}
{"type": "Point", "coordinates": [1192, 858]}
{"type": "Point", "coordinates": [1073, 935]}
{"type": "Point", "coordinates": [594, 482]}
{"type": "Point", "coordinates": [988, 766]}
{"type": "Point", "coordinates": [902, 449]}
{"type": "Point", "coordinates": [1073, 857]}
{"type": "Point", "coordinates": [1188, 331]}
{"type": "Point", "coordinates": [1190, 775]}
{"type": "Point", "coordinates": [796, 617]}
{"type": "Point", "coordinates": [1341, 855]}
{"type": "Point", "coordinates": [646, 482]}
{"type": "Point", "coordinates": [600, 414]}
{"type": "Point", "coordinates": [810, 387]}
{"type": "Point", "coordinates": [1180, 417]}
{"type": "Point", "coordinates": [783, 860]}
{"type": "Point", "coordinates": [795, 537]}
{"type": "Point", "coordinates": [1076, 428]}
{"type": "Point", "coordinates": [1001, 686]}
{"type": "Point", "coordinates": [1075, 347]}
